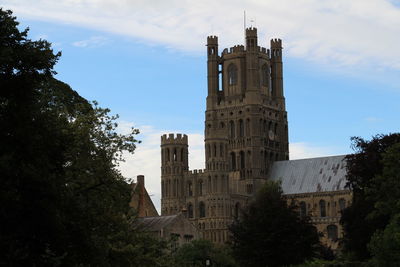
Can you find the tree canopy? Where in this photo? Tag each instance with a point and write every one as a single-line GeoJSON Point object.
{"type": "Point", "coordinates": [64, 202]}
{"type": "Point", "coordinates": [373, 175]}
{"type": "Point", "coordinates": [198, 252]}
{"type": "Point", "coordinates": [269, 230]}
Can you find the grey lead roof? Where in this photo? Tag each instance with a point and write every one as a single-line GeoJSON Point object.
{"type": "Point", "coordinates": [155, 223]}
{"type": "Point", "coordinates": [310, 175]}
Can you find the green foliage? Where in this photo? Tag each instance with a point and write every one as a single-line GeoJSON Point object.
{"type": "Point", "coordinates": [198, 252]}
{"type": "Point", "coordinates": [385, 245]}
{"type": "Point", "coordinates": [63, 200]}
{"type": "Point", "coordinates": [374, 194]}
{"type": "Point", "coordinates": [269, 230]}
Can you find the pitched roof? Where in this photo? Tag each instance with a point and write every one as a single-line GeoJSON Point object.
{"type": "Point", "coordinates": [144, 206]}
{"type": "Point", "coordinates": [310, 175]}
{"type": "Point", "coordinates": [156, 223]}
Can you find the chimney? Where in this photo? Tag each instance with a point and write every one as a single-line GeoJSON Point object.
{"type": "Point", "coordinates": [141, 208]}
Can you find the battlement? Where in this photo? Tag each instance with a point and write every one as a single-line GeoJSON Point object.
{"type": "Point", "coordinates": [251, 32]}
{"type": "Point", "coordinates": [212, 40]}
{"type": "Point", "coordinates": [172, 139]}
{"type": "Point", "coordinates": [197, 171]}
{"type": "Point", "coordinates": [241, 48]}
{"type": "Point", "coordinates": [276, 44]}
{"type": "Point", "coordinates": [235, 49]}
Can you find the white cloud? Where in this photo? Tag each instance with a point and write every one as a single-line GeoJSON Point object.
{"type": "Point", "coordinates": [301, 150]}
{"type": "Point", "coordinates": [94, 41]}
{"type": "Point", "coordinates": [338, 32]}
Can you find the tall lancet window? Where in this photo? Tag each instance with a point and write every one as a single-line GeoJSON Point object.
{"type": "Point", "coordinates": [232, 74]}
{"type": "Point", "coordinates": [265, 75]}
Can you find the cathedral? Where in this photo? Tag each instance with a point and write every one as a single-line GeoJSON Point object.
{"type": "Point", "coordinates": [246, 143]}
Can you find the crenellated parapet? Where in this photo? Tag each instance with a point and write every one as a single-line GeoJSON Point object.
{"type": "Point", "coordinates": [212, 40]}
{"type": "Point", "coordinates": [171, 139]}
{"type": "Point", "coordinates": [251, 32]}
{"type": "Point", "coordinates": [197, 171]}
{"type": "Point", "coordinates": [276, 43]}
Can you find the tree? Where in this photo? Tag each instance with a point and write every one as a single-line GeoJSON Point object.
{"type": "Point", "coordinates": [197, 252]}
{"type": "Point", "coordinates": [364, 216]}
{"type": "Point", "coordinates": [64, 202]}
{"type": "Point", "coordinates": [271, 233]}
{"type": "Point", "coordinates": [384, 245]}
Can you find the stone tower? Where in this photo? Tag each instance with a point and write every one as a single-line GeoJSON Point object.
{"type": "Point", "coordinates": [174, 162]}
{"type": "Point", "coordinates": [245, 132]}
{"type": "Point", "coordinates": [246, 121]}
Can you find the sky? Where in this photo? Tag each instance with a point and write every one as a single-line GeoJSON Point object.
{"type": "Point", "coordinates": [146, 61]}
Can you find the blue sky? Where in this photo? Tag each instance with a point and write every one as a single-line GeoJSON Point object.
{"type": "Point", "coordinates": [145, 60]}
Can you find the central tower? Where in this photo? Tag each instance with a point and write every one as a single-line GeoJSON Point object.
{"type": "Point", "coordinates": [245, 132]}
{"type": "Point", "coordinates": [246, 121]}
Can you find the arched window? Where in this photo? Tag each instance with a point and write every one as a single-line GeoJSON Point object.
{"type": "Point", "coordinates": [209, 184]}
{"type": "Point", "coordinates": [248, 159]}
{"type": "Point", "coordinates": [168, 154]}
{"type": "Point", "coordinates": [232, 74]}
{"type": "Point", "coordinates": [265, 159]}
{"type": "Point", "coordinates": [322, 208]}
{"type": "Point", "coordinates": [233, 161]}
{"type": "Point", "coordinates": [248, 127]}
{"type": "Point", "coordinates": [190, 189]}
{"type": "Point", "coordinates": [232, 129]}
{"type": "Point", "coordinates": [190, 210]}
{"type": "Point", "coordinates": [265, 127]}
{"type": "Point", "coordinates": [175, 155]}
{"type": "Point", "coordinates": [264, 75]}
{"type": "Point", "coordinates": [215, 183]}
{"type": "Point", "coordinates": [221, 150]}
{"type": "Point", "coordinates": [332, 232]}
{"type": "Point", "coordinates": [215, 150]}
{"type": "Point", "coordinates": [303, 209]}
{"type": "Point", "coordinates": [271, 91]}
{"type": "Point", "coordinates": [168, 191]}
{"type": "Point", "coordinates": [202, 210]}
{"type": "Point", "coordinates": [242, 160]}
{"type": "Point", "coordinates": [237, 210]}
{"type": "Point", "coordinates": [200, 187]}
{"type": "Point", "coordinates": [241, 128]}
{"type": "Point", "coordinates": [209, 151]}
{"type": "Point", "coordinates": [342, 204]}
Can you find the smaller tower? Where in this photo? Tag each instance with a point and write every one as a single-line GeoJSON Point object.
{"type": "Point", "coordinates": [252, 63]}
{"type": "Point", "coordinates": [212, 70]}
{"type": "Point", "coordinates": [276, 68]}
{"type": "Point", "coordinates": [251, 38]}
{"type": "Point", "coordinates": [174, 162]}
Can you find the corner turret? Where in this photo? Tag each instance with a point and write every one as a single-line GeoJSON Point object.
{"type": "Point", "coordinates": [251, 38]}
{"type": "Point", "coordinates": [212, 70]}
{"type": "Point", "coordinates": [174, 154]}
{"type": "Point", "coordinates": [276, 69]}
